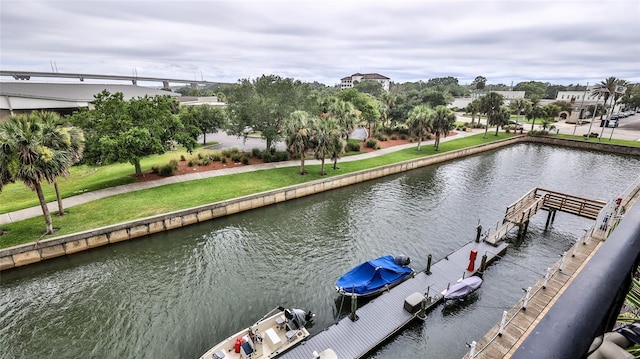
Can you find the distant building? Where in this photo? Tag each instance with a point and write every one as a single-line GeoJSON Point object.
{"type": "Point", "coordinates": [63, 98]}
{"type": "Point", "coordinates": [350, 81]}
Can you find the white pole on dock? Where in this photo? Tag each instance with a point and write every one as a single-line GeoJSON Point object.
{"type": "Point", "coordinates": [575, 247]}
{"type": "Point", "coordinates": [503, 322]}
{"type": "Point", "coordinates": [526, 298]}
{"type": "Point", "coordinates": [564, 255]}
{"type": "Point", "coordinates": [472, 351]}
{"type": "Point", "coordinates": [546, 278]}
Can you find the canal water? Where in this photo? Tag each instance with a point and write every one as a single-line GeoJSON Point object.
{"type": "Point", "coordinates": [174, 295]}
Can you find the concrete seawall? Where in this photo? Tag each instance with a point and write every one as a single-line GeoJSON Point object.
{"type": "Point", "coordinates": [68, 244]}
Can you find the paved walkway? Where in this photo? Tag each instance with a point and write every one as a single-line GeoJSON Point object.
{"type": "Point", "coordinates": [132, 187]}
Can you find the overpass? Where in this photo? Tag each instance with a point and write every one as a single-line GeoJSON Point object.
{"type": "Point", "coordinates": [27, 75]}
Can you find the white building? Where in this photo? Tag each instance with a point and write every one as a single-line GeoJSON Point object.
{"type": "Point", "coordinates": [350, 81]}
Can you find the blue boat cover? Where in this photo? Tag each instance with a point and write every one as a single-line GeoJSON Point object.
{"type": "Point", "coordinates": [371, 276]}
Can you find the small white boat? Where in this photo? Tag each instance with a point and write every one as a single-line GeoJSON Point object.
{"type": "Point", "coordinates": [269, 337]}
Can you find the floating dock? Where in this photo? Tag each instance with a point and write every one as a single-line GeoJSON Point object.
{"type": "Point", "coordinates": [384, 316]}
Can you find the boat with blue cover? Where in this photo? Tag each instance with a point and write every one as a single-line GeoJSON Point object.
{"type": "Point", "coordinates": [372, 277]}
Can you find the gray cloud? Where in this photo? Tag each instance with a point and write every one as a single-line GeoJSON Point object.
{"type": "Point", "coordinates": [510, 40]}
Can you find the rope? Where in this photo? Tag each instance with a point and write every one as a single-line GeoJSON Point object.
{"type": "Point", "coordinates": [340, 310]}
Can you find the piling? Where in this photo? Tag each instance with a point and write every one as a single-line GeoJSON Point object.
{"type": "Point", "coordinates": [428, 270]}
{"type": "Point", "coordinates": [478, 233]}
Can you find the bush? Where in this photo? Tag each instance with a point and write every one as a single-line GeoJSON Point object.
{"type": "Point", "coordinates": [223, 160]}
{"type": "Point", "coordinates": [168, 169]}
{"type": "Point", "coordinates": [245, 160]}
{"type": "Point", "coordinates": [394, 137]}
{"type": "Point", "coordinates": [372, 143]}
{"type": "Point", "coordinates": [236, 158]}
{"type": "Point", "coordinates": [205, 162]}
{"type": "Point", "coordinates": [282, 156]}
{"type": "Point", "coordinates": [191, 163]}
{"type": "Point", "coordinates": [200, 156]}
{"type": "Point", "coordinates": [255, 152]}
{"type": "Point", "coordinates": [266, 157]}
{"type": "Point", "coordinates": [216, 157]}
{"type": "Point", "coordinates": [353, 146]}
{"type": "Point", "coordinates": [226, 152]}
{"type": "Point", "coordinates": [182, 158]}
{"type": "Point", "coordinates": [403, 137]}
{"type": "Point", "coordinates": [381, 137]}
{"type": "Point", "coordinates": [156, 169]}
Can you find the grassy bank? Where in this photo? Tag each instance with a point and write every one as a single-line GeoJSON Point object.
{"type": "Point", "coordinates": [163, 199]}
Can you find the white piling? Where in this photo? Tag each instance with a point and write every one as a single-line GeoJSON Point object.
{"type": "Point", "coordinates": [575, 247]}
{"type": "Point", "coordinates": [503, 322]}
{"type": "Point", "coordinates": [564, 255]}
{"type": "Point", "coordinates": [526, 298]}
{"type": "Point", "coordinates": [546, 278]}
{"type": "Point", "coordinates": [472, 351]}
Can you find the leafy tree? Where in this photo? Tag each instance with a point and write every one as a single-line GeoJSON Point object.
{"type": "Point", "coordinates": [203, 119]}
{"type": "Point", "coordinates": [365, 103]}
{"type": "Point", "coordinates": [479, 83]}
{"type": "Point", "coordinates": [27, 156]}
{"type": "Point", "coordinates": [300, 131]}
{"type": "Point", "coordinates": [551, 111]}
{"type": "Point", "coordinates": [126, 131]}
{"type": "Point", "coordinates": [435, 98]}
{"type": "Point", "coordinates": [420, 122]}
{"type": "Point", "coordinates": [373, 88]}
{"type": "Point", "coordinates": [264, 104]}
{"type": "Point", "coordinates": [490, 105]}
{"type": "Point", "coordinates": [532, 88]}
{"type": "Point", "coordinates": [443, 121]}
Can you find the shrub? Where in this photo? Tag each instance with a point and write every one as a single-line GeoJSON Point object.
{"type": "Point", "coordinates": [255, 152]}
{"type": "Point", "coordinates": [205, 162]}
{"type": "Point", "coordinates": [236, 157]}
{"type": "Point", "coordinates": [226, 152]}
{"type": "Point", "coordinates": [394, 137]}
{"type": "Point", "coordinates": [190, 163]}
{"type": "Point", "coordinates": [156, 169]}
{"type": "Point", "coordinates": [234, 150]}
{"type": "Point", "coordinates": [223, 160]}
{"type": "Point", "coordinates": [245, 160]}
{"type": "Point", "coordinates": [403, 137]}
{"type": "Point", "coordinates": [200, 156]}
{"type": "Point", "coordinates": [353, 146]}
{"type": "Point", "coordinates": [372, 143]}
{"type": "Point", "coordinates": [182, 158]}
{"type": "Point", "coordinates": [166, 170]}
{"type": "Point", "coordinates": [381, 137]}
{"type": "Point", "coordinates": [216, 157]}
{"type": "Point", "coordinates": [427, 137]}
{"type": "Point", "coordinates": [280, 156]}
{"type": "Point", "coordinates": [266, 157]}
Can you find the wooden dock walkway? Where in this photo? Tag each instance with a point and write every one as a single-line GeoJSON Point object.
{"type": "Point", "coordinates": [384, 316]}
{"type": "Point", "coordinates": [520, 212]}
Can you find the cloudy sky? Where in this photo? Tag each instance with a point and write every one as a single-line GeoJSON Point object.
{"type": "Point", "coordinates": [562, 42]}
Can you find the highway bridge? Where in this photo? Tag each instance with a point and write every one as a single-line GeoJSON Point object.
{"type": "Point", "coordinates": [27, 75]}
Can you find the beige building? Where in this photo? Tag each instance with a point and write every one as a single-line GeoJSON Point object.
{"type": "Point", "coordinates": [350, 81]}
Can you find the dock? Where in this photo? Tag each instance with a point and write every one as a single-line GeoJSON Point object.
{"type": "Point", "coordinates": [384, 316]}
{"type": "Point", "coordinates": [520, 212]}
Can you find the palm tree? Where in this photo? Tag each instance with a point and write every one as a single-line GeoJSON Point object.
{"type": "Point", "coordinates": [338, 145]}
{"type": "Point", "coordinates": [473, 107]}
{"type": "Point", "coordinates": [501, 118]}
{"type": "Point", "coordinates": [299, 130]}
{"type": "Point", "coordinates": [518, 106]}
{"type": "Point", "coordinates": [535, 111]}
{"type": "Point", "coordinates": [386, 106]}
{"type": "Point", "coordinates": [324, 136]}
{"type": "Point", "coordinates": [69, 139]}
{"type": "Point", "coordinates": [27, 157]}
{"type": "Point", "coordinates": [420, 122]}
{"type": "Point", "coordinates": [490, 105]}
{"type": "Point", "coordinates": [346, 114]}
{"type": "Point", "coordinates": [443, 121]}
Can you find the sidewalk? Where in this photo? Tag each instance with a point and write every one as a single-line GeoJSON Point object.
{"type": "Point", "coordinates": [26, 213]}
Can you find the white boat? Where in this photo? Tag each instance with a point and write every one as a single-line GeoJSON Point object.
{"type": "Point", "coordinates": [269, 337]}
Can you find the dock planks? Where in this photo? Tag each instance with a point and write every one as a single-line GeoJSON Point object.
{"type": "Point", "coordinates": [385, 315]}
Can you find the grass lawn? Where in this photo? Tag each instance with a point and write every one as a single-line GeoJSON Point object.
{"type": "Point", "coordinates": [604, 140]}
{"type": "Point", "coordinates": [85, 178]}
{"type": "Point", "coordinates": [163, 199]}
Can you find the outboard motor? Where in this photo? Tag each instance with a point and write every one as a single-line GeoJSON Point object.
{"type": "Point", "coordinates": [402, 260]}
{"type": "Point", "coordinates": [297, 318]}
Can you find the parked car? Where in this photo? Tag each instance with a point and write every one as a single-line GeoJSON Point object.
{"type": "Point", "coordinates": [514, 124]}
{"type": "Point", "coordinates": [613, 122]}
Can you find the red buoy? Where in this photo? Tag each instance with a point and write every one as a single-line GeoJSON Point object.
{"type": "Point", "coordinates": [238, 344]}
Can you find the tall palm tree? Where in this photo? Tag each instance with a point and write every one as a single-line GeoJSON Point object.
{"type": "Point", "coordinates": [69, 139]}
{"type": "Point", "coordinates": [490, 105]}
{"type": "Point", "coordinates": [338, 145]}
{"type": "Point", "coordinates": [346, 114]}
{"type": "Point", "coordinates": [299, 131]}
{"type": "Point", "coordinates": [386, 106]}
{"type": "Point", "coordinates": [443, 121]}
{"type": "Point", "coordinates": [324, 135]}
{"type": "Point", "coordinates": [518, 106]}
{"type": "Point", "coordinates": [420, 122]}
{"type": "Point", "coordinates": [535, 111]}
{"type": "Point", "coordinates": [473, 108]}
{"type": "Point", "coordinates": [27, 157]}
